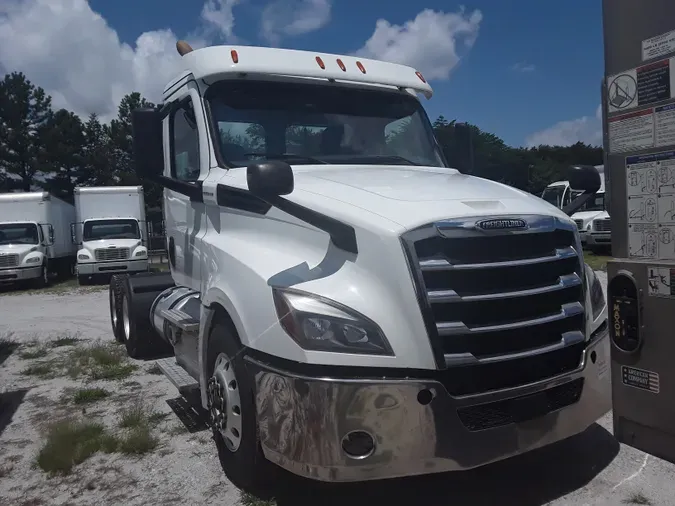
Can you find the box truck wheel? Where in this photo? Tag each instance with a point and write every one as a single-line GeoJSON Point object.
{"type": "Point", "coordinates": [115, 296]}
{"type": "Point", "coordinates": [43, 280]}
{"type": "Point", "coordinates": [139, 336]}
{"type": "Point", "coordinates": [231, 405]}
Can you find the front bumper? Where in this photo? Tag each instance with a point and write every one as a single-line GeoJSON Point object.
{"type": "Point", "coordinates": [303, 420]}
{"type": "Point", "coordinates": [20, 274]}
{"type": "Point", "coordinates": [92, 268]}
{"type": "Point", "coordinates": [599, 239]}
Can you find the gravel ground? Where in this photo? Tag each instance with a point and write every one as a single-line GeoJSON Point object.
{"type": "Point", "coordinates": [590, 469]}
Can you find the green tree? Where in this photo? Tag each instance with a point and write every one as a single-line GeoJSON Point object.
{"type": "Point", "coordinates": [62, 156]}
{"type": "Point", "coordinates": [25, 111]}
{"type": "Point", "coordinates": [96, 154]}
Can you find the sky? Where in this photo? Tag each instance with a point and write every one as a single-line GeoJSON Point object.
{"type": "Point", "coordinates": [528, 71]}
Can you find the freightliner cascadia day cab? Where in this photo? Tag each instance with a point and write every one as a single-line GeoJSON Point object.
{"type": "Point", "coordinates": [35, 237]}
{"type": "Point", "coordinates": [110, 231]}
{"type": "Point", "coordinates": [345, 304]}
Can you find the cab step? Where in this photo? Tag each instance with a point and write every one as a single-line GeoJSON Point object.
{"type": "Point", "coordinates": [180, 378]}
{"type": "Point", "coordinates": [180, 319]}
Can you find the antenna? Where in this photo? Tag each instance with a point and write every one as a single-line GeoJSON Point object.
{"type": "Point", "coordinates": [183, 47]}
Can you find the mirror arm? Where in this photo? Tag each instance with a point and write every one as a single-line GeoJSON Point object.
{"type": "Point", "coordinates": [576, 204]}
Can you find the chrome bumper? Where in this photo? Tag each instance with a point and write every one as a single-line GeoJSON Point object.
{"type": "Point", "coordinates": [20, 274]}
{"type": "Point", "coordinates": [303, 420]}
{"type": "Point", "coordinates": [90, 268]}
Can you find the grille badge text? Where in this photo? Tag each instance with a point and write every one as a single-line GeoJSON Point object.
{"type": "Point", "coordinates": [502, 224]}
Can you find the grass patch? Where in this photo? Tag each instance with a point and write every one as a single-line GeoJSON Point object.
{"type": "Point", "coordinates": [33, 353]}
{"type": "Point", "coordinates": [154, 369]}
{"type": "Point", "coordinates": [44, 370]}
{"type": "Point", "coordinates": [70, 443]}
{"type": "Point", "coordinates": [66, 340]}
{"type": "Point", "coordinates": [100, 362]}
{"type": "Point", "coordinates": [89, 395]}
{"type": "Point", "coordinates": [248, 499]}
{"type": "Point", "coordinates": [637, 498]}
{"type": "Point", "coordinates": [138, 441]}
{"type": "Point", "coordinates": [596, 262]}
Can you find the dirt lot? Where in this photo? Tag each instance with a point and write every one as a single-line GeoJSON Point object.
{"type": "Point", "coordinates": [70, 394]}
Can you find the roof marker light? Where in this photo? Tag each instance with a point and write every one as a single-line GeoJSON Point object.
{"type": "Point", "coordinates": [361, 67]}
{"type": "Point", "coordinates": [419, 74]}
{"type": "Point", "coordinates": [341, 65]}
{"type": "Point", "coordinates": [320, 62]}
{"type": "Point", "coordinates": [235, 56]}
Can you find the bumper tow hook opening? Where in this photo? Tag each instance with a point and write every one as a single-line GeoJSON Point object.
{"type": "Point", "coordinates": [594, 356]}
{"type": "Point", "coordinates": [358, 445]}
{"type": "Point", "coordinates": [425, 396]}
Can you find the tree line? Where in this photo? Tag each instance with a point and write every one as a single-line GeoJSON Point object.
{"type": "Point", "coordinates": [56, 150]}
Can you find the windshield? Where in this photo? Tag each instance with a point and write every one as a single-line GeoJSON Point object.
{"type": "Point", "coordinates": [316, 123]}
{"type": "Point", "coordinates": [597, 203]}
{"type": "Point", "coordinates": [110, 229]}
{"type": "Point", "coordinates": [19, 233]}
{"type": "Point", "coordinates": [554, 195]}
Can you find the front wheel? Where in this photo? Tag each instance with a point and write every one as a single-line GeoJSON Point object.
{"type": "Point", "coordinates": [232, 414]}
{"type": "Point", "coordinates": [43, 280]}
{"type": "Point", "coordinates": [115, 302]}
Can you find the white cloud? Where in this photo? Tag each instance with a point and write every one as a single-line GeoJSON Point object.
{"type": "Point", "coordinates": [293, 17]}
{"type": "Point", "coordinates": [523, 67]}
{"type": "Point", "coordinates": [72, 52]}
{"type": "Point", "coordinates": [429, 43]}
{"type": "Point", "coordinates": [586, 129]}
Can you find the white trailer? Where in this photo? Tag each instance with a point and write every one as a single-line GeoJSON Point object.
{"type": "Point", "coordinates": [110, 231]}
{"type": "Point", "coordinates": [344, 303]}
{"type": "Point", "coordinates": [35, 237]}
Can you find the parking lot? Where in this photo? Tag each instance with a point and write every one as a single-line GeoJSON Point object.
{"type": "Point", "coordinates": [58, 364]}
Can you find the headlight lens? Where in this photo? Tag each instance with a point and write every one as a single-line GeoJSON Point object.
{"type": "Point", "coordinates": [319, 324]}
{"type": "Point", "coordinates": [33, 260]}
{"type": "Point", "coordinates": [82, 256]}
{"type": "Point", "coordinates": [141, 253]}
{"type": "Point", "coordinates": [597, 295]}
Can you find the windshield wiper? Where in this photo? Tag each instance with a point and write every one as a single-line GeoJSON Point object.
{"type": "Point", "coordinates": [287, 156]}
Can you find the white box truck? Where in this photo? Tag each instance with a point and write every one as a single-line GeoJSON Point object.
{"type": "Point", "coordinates": [343, 302]}
{"type": "Point", "coordinates": [35, 237]}
{"type": "Point", "coordinates": [110, 231]}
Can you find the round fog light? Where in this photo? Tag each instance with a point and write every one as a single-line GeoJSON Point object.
{"type": "Point", "coordinates": [358, 444]}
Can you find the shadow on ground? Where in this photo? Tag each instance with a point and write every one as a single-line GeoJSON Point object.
{"type": "Point", "coordinates": [532, 479]}
{"type": "Point", "coordinates": [7, 347]}
{"type": "Point", "coordinates": [9, 403]}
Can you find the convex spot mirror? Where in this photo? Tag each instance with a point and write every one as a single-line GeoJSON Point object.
{"type": "Point", "coordinates": [270, 178]}
{"type": "Point", "coordinates": [146, 127]}
{"type": "Point", "coordinates": [584, 177]}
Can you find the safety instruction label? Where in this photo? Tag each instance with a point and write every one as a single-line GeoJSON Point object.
{"type": "Point", "coordinates": [641, 86]}
{"type": "Point", "coordinates": [658, 46]}
{"type": "Point", "coordinates": [630, 132]}
{"type": "Point", "coordinates": [660, 281]}
{"type": "Point", "coordinates": [651, 205]}
{"type": "Point", "coordinates": [639, 378]}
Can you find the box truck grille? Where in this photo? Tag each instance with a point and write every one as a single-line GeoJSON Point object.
{"type": "Point", "coordinates": [106, 254]}
{"type": "Point", "coordinates": [579, 224]}
{"type": "Point", "coordinates": [7, 260]}
{"type": "Point", "coordinates": [604, 225]}
{"type": "Point", "coordinates": [503, 307]}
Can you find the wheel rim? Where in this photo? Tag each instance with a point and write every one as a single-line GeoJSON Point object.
{"type": "Point", "coordinates": [113, 309]}
{"type": "Point", "coordinates": [45, 274]}
{"type": "Point", "coordinates": [125, 317]}
{"type": "Point", "coordinates": [225, 402]}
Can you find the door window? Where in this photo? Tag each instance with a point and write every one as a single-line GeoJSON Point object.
{"type": "Point", "coordinates": [184, 143]}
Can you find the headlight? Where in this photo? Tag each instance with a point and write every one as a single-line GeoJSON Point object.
{"type": "Point", "coordinates": [597, 295]}
{"type": "Point", "coordinates": [82, 256]}
{"type": "Point", "coordinates": [320, 324]}
{"type": "Point", "coordinates": [33, 260]}
{"type": "Point", "coordinates": [141, 253]}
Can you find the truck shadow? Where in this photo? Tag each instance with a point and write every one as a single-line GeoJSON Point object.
{"type": "Point", "coordinates": [9, 403]}
{"type": "Point", "coordinates": [532, 479]}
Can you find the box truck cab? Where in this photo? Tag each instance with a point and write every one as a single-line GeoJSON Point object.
{"type": "Point", "coordinates": [34, 237]}
{"type": "Point", "coordinates": [110, 231]}
{"type": "Point", "coordinates": [343, 302]}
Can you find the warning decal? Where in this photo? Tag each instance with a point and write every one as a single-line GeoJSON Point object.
{"type": "Point", "coordinates": [660, 281]}
{"type": "Point", "coordinates": [639, 378]}
{"type": "Point", "coordinates": [632, 131]}
{"type": "Point", "coordinates": [641, 86]}
{"type": "Point", "coordinates": [658, 46]}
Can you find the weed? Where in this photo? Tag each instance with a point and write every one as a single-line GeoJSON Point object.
{"type": "Point", "coordinates": [138, 441]}
{"type": "Point", "coordinates": [154, 369]}
{"type": "Point", "coordinates": [66, 340]}
{"type": "Point", "coordinates": [100, 362]}
{"type": "Point", "coordinates": [44, 370]}
{"type": "Point", "coordinates": [70, 443]}
{"type": "Point", "coordinates": [248, 499]}
{"type": "Point", "coordinates": [134, 416]}
{"type": "Point", "coordinates": [89, 395]}
{"type": "Point", "coordinates": [637, 498]}
{"type": "Point", "coordinates": [35, 352]}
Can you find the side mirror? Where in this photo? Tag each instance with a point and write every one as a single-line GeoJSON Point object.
{"type": "Point", "coordinates": [585, 178]}
{"type": "Point", "coordinates": [271, 178]}
{"type": "Point", "coordinates": [47, 234]}
{"type": "Point", "coordinates": [147, 133]}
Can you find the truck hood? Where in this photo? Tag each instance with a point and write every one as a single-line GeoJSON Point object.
{"type": "Point", "coordinates": [17, 249]}
{"type": "Point", "coordinates": [111, 243]}
{"type": "Point", "coordinates": [586, 216]}
{"type": "Point", "coordinates": [409, 196]}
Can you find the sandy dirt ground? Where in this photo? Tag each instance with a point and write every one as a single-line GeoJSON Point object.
{"type": "Point", "coordinates": [41, 379]}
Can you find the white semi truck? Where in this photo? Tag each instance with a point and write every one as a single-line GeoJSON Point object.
{"type": "Point", "coordinates": [345, 304]}
{"type": "Point", "coordinates": [35, 237]}
{"type": "Point", "coordinates": [110, 231]}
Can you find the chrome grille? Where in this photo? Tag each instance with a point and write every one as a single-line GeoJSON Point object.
{"type": "Point", "coordinates": [580, 224]}
{"type": "Point", "coordinates": [502, 307]}
{"type": "Point", "coordinates": [604, 225]}
{"type": "Point", "coordinates": [8, 260]}
{"type": "Point", "coordinates": [106, 254]}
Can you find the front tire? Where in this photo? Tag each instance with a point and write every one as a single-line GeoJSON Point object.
{"type": "Point", "coordinates": [115, 302]}
{"type": "Point", "coordinates": [231, 404]}
{"type": "Point", "coordinates": [43, 280]}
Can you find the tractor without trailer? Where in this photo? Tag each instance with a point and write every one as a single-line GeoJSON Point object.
{"type": "Point", "coordinates": [341, 301]}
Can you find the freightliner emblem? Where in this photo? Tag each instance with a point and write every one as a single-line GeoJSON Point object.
{"type": "Point", "coordinates": [502, 224]}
